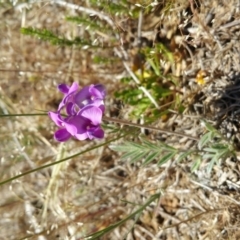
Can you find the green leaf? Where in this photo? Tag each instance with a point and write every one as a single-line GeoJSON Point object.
{"type": "Point", "coordinates": [156, 68]}
{"type": "Point", "coordinates": [184, 155]}
{"type": "Point", "coordinates": [220, 146]}
{"type": "Point", "coordinates": [150, 145]}
{"type": "Point", "coordinates": [212, 162]}
{"type": "Point", "coordinates": [196, 164]}
{"type": "Point", "coordinates": [211, 150]}
{"type": "Point", "coordinates": [205, 139]}
{"type": "Point", "coordinates": [119, 148]}
{"type": "Point", "coordinates": [150, 158]}
{"type": "Point", "coordinates": [208, 156]}
{"type": "Point", "coordinates": [138, 156]}
{"type": "Point", "coordinates": [129, 155]}
{"type": "Point", "coordinates": [209, 127]}
{"type": "Point", "coordinates": [166, 158]}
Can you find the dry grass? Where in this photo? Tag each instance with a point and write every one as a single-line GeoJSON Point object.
{"type": "Point", "coordinates": [89, 192]}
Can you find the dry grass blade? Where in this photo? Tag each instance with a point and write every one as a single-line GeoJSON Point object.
{"type": "Point", "coordinates": [177, 62]}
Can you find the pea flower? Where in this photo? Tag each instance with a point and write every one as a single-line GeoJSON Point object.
{"type": "Point", "coordinates": [84, 109]}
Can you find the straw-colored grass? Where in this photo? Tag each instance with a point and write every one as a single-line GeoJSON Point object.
{"type": "Point", "coordinates": [97, 191]}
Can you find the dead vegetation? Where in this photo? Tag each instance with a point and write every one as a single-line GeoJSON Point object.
{"type": "Point", "coordinates": [86, 194]}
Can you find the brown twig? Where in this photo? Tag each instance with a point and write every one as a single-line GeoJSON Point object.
{"type": "Point", "coordinates": [120, 121]}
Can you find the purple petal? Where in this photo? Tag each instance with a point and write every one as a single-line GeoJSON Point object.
{"type": "Point", "coordinates": [102, 108]}
{"type": "Point", "coordinates": [70, 109]}
{"type": "Point", "coordinates": [62, 135]}
{"type": "Point", "coordinates": [98, 133]}
{"type": "Point", "coordinates": [77, 125]}
{"type": "Point", "coordinates": [101, 89]}
{"type": "Point", "coordinates": [81, 125]}
{"type": "Point", "coordinates": [56, 118]}
{"type": "Point", "coordinates": [81, 136]}
{"type": "Point", "coordinates": [68, 95]}
{"type": "Point", "coordinates": [71, 128]}
{"type": "Point", "coordinates": [61, 105]}
{"type": "Point", "coordinates": [94, 114]}
{"type": "Point", "coordinates": [96, 103]}
{"type": "Point", "coordinates": [73, 88]}
{"type": "Point", "coordinates": [82, 96]}
{"type": "Point", "coordinates": [90, 94]}
{"type": "Point", "coordinates": [97, 92]}
{"type": "Point", "coordinates": [63, 88]}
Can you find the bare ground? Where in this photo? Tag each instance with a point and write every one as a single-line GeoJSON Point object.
{"type": "Point", "coordinates": [83, 195]}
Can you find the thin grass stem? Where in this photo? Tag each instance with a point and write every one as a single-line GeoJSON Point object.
{"type": "Point", "coordinates": [62, 160]}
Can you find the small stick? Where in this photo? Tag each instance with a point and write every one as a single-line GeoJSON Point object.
{"type": "Point", "coordinates": [148, 127]}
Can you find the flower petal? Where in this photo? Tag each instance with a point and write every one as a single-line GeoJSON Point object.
{"type": "Point", "coordinates": [82, 96]}
{"type": "Point", "coordinates": [101, 89]}
{"type": "Point", "coordinates": [94, 114]}
{"type": "Point", "coordinates": [71, 128]}
{"type": "Point", "coordinates": [56, 118]}
{"type": "Point", "coordinates": [68, 94]}
{"type": "Point", "coordinates": [81, 136]}
{"type": "Point", "coordinates": [62, 135]}
{"type": "Point", "coordinates": [81, 124]}
{"type": "Point", "coordinates": [97, 91]}
{"type": "Point", "coordinates": [77, 125]}
{"type": "Point", "coordinates": [70, 109]}
{"type": "Point", "coordinates": [73, 88]}
{"type": "Point", "coordinates": [98, 133]}
{"type": "Point", "coordinates": [63, 88]}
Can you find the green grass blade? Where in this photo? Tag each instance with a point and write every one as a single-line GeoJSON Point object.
{"type": "Point", "coordinates": [130, 216]}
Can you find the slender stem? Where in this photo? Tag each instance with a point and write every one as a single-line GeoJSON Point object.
{"type": "Point", "coordinates": [148, 127]}
{"type": "Point", "coordinates": [116, 121]}
{"type": "Point", "coordinates": [23, 115]}
{"type": "Point", "coordinates": [60, 161]}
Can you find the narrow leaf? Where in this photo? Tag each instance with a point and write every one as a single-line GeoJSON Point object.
{"type": "Point", "coordinates": [204, 140]}
{"type": "Point", "coordinates": [211, 150]}
{"type": "Point", "coordinates": [209, 127]}
{"type": "Point", "coordinates": [126, 147]}
{"type": "Point", "coordinates": [151, 157]}
{"type": "Point", "coordinates": [165, 158]}
{"type": "Point", "coordinates": [196, 164]}
{"type": "Point", "coordinates": [102, 232]}
{"type": "Point", "coordinates": [208, 156]}
{"type": "Point", "coordinates": [150, 145]}
{"type": "Point", "coordinates": [210, 165]}
{"type": "Point", "coordinates": [184, 155]}
{"type": "Point", "coordinates": [138, 157]}
{"type": "Point", "coordinates": [129, 155]}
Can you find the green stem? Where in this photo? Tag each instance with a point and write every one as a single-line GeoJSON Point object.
{"type": "Point", "coordinates": [62, 160]}
{"type": "Point", "coordinates": [100, 233]}
{"type": "Point", "coordinates": [23, 115]}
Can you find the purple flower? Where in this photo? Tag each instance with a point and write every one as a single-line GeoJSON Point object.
{"type": "Point", "coordinates": [83, 125]}
{"type": "Point", "coordinates": [84, 110]}
{"type": "Point", "coordinates": [76, 99]}
{"type": "Point", "coordinates": [62, 134]}
{"type": "Point", "coordinates": [90, 95]}
{"type": "Point", "coordinates": [68, 92]}
{"type": "Point", "coordinates": [86, 124]}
